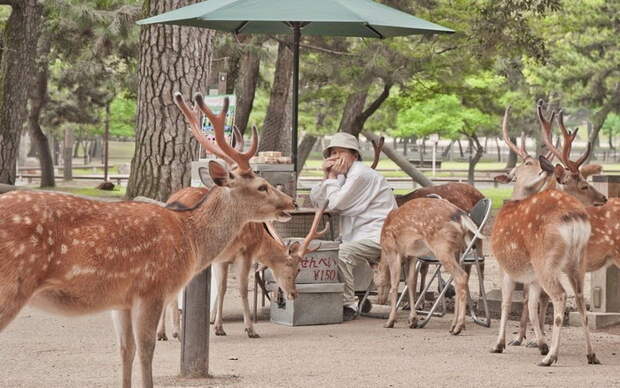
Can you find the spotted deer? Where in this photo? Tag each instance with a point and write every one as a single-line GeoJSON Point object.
{"type": "Point", "coordinates": [539, 238]}
{"type": "Point", "coordinates": [76, 256]}
{"type": "Point", "coordinates": [257, 241]}
{"type": "Point", "coordinates": [421, 227]}
{"type": "Point", "coordinates": [571, 177]}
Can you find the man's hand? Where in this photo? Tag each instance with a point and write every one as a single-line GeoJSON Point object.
{"type": "Point", "coordinates": [327, 165]}
{"type": "Point", "coordinates": [340, 165]}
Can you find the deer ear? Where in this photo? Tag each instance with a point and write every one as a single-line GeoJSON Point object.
{"type": "Point", "coordinates": [545, 164]}
{"type": "Point", "coordinates": [504, 178]}
{"type": "Point", "coordinates": [560, 173]}
{"type": "Point", "coordinates": [218, 173]}
{"type": "Point", "coordinates": [590, 169]}
{"type": "Point", "coordinates": [293, 247]}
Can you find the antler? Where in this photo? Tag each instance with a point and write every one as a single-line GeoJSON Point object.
{"type": "Point", "coordinates": [193, 118]}
{"type": "Point", "coordinates": [218, 121]}
{"type": "Point", "coordinates": [568, 145]}
{"type": "Point", "coordinates": [272, 231]}
{"type": "Point", "coordinates": [378, 148]}
{"type": "Point", "coordinates": [313, 234]}
{"type": "Point", "coordinates": [238, 138]}
{"type": "Point", "coordinates": [519, 151]}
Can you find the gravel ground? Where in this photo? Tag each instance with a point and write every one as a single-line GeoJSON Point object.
{"type": "Point", "coordinates": [38, 349]}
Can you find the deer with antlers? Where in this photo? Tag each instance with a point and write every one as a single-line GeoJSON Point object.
{"type": "Point", "coordinates": [256, 241]}
{"type": "Point", "coordinates": [76, 256]}
{"type": "Point", "coordinates": [539, 238]}
{"type": "Point", "coordinates": [570, 176]}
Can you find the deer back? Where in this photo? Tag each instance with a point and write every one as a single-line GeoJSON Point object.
{"type": "Point", "coordinates": [604, 244]}
{"type": "Point", "coordinates": [461, 195]}
{"type": "Point", "coordinates": [97, 253]}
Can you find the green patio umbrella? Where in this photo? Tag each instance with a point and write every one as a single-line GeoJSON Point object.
{"type": "Point", "coordinates": [356, 18]}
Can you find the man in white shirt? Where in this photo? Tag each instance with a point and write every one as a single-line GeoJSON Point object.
{"type": "Point", "coordinates": [363, 200]}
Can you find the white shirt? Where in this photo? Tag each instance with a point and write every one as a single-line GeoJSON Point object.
{"type": "Point", "coordinates": [363, 199]}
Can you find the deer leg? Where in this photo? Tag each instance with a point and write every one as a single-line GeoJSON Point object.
{"type": "Point", "coordinates": [145, 315]}
{"type": "Point", "coordinates": [423, 273]}
{"type": "Point", "coordinates": [543, 304]}
{"type": "Point", "coordinates": [176, 318]}
{"type": "Point", "coordinates": [576, 281]}
{"type": "Point", "coordinates": [412, 277]}
{"type": "Point", "coordinates": [525, 317]}
{"type": "Point", "coordinates": [556, 292]}
{"type": "Point", "coordinates": [243, 269]}
{"type": "Point", "coordinates": [161, 326]}
{"type": "Point", "coordinates": [222, 280]}
{"type": "Point", "coordinates": [450, 263]}
{"type": "Point", "coordinates": [508, 286]}
{"type": "Point", "coordinates": [534, 291]}
{"type": "Point", "coordinates": [12, 300]}
{"type": "Point", "coordinates": [394, 261]}
{"type": "Point", "coordinates": [122, 325]}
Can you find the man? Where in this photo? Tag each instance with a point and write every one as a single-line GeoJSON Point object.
{"type": "Point", "coordinates": [363, 199]}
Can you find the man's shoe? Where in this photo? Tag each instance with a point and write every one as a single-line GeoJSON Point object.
{"type": "Point", "coordinates": [348, 314]}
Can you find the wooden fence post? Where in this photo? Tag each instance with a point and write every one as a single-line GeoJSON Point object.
{"type": "Point", "coordinates": [195, 331]}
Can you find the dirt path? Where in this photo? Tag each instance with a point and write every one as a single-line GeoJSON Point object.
{"type": "Point", "coordinates": [43, 350]}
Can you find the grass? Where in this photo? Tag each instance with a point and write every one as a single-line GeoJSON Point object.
{"type": "Point", "coordinates": [118, 192]}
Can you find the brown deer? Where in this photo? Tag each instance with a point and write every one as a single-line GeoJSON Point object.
{"type": "Point", "coordinates": [604, 244]}
{"type": "Point", "coordinates": [539, 238]}
{"type": "Point", "coordinates": [255, 241]}
{"type": "Point", "coordinates": [76, 256]}
{"type": "Point", "coordinates": [461, 195]}
{"type": "Point", "coordinates": [421, 227]}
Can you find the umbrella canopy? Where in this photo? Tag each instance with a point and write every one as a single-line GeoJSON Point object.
{"type": "Point", "coordinates": [361, 18]}
{"type": "Point", "coordinates": [358, 18]}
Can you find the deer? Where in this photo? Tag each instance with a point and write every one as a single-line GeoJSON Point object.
{"type": "Point", "coordinates": [604, 244]}
{"type": "Point", "coordinates": [257, 241]}
{"type": "Point", "coordinates": [75, 256]}
{"type": "Point", "coordinates": [538, 238]}
{"type": "Point", "coordinates": [462, 195]}
{"type": "Point", "coordinates": [421, 227]}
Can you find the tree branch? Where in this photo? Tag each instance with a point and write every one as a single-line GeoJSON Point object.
{"type": "Point", "coordinates": [316, 48]}
{"type": "Point", "coordinates": [372, 108]}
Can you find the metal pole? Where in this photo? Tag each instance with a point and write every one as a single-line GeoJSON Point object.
{"type": "Point", "coordinates": [195, 332]}
{"type": "Point", "coordinates": [296, 37]}
{"type": "Point", "coordinates": [106, 140]}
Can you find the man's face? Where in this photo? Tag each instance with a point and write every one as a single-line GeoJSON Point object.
{"type": "Point", "coordinates": [344, 153]}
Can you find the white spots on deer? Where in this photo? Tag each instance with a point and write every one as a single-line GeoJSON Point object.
{"type": "Point", "coordinates": [33, 257]}
{"type": "Point", "coordinates": [63, 249]}
{"type": "Point", "coordinates": [50, 241]}
{"type": "Point", "coordinates": [39, 229]}
{"type": "Point", "coordinates": [27, 198]}
{"type": "Point", "coordinates": [21, 249]}
{"type": "Point", "coordinates": [34, 240]}
{"type": "Point", "coordinates": [76, 242]}
{"type": "Point", "coordinates": [17, 219]}
{"type": "Point", "coordinates": [77, 270]}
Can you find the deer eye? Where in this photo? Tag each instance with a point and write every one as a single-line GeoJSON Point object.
{"type": "Point", "coordinates": [262, 188]}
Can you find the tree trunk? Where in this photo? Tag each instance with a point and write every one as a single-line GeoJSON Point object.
{"type": "Point", "coordinates": [401, 162]}
{"type": "Point", "coordinates": [474, 157]}
{"type": "Point", "coordinates": [305, 147]}
{"type": "Point", "coordinates": [601, 115]}
{"type": "Point", "coordinates": [38, 100]}
{"type": "Point", "coordinates": [512, 157]}
{"type": "Point", "coordinates": [20, 39]}
{"type": "Point", "coordinates": [172, 59]}
{"type": "Point", "coordinates": [460, 148]}
{"type": "Point", "coordinates": [106, 140]}
{"type": "Point", "coordinates": [446, 151]}
{"type": "Point", "coordinates": [68, 155]}
{"type": "Point", "coordinates": [273, 138]}
{"type": "Point", "coordinates": [499, 150]}
{"type": "Point", "coordinates": [245, 89]}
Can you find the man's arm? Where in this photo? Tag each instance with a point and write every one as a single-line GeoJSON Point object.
{"type": "Point", "coordinates": [350, 196]}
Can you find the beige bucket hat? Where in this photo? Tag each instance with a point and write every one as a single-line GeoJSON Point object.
{"type": "Point", "coordinates": [344, 140]}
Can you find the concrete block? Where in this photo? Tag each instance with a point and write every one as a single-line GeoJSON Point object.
{"type": "Point", "coordinates": [316, 304]}
{"type": "Point", "coordinates": [596, 320]}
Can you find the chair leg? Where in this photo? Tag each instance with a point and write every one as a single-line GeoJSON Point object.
{"type": "Point", "coordinates": [486, 321]}
{"type": "Point", "coordinates": [361, 303]}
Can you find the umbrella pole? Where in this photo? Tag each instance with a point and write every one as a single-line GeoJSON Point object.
{"type": "Point", "coordinates": [295, 102]}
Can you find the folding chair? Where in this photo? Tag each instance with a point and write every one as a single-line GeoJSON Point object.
{"type": "Point", "coordinates": [470, 256]}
